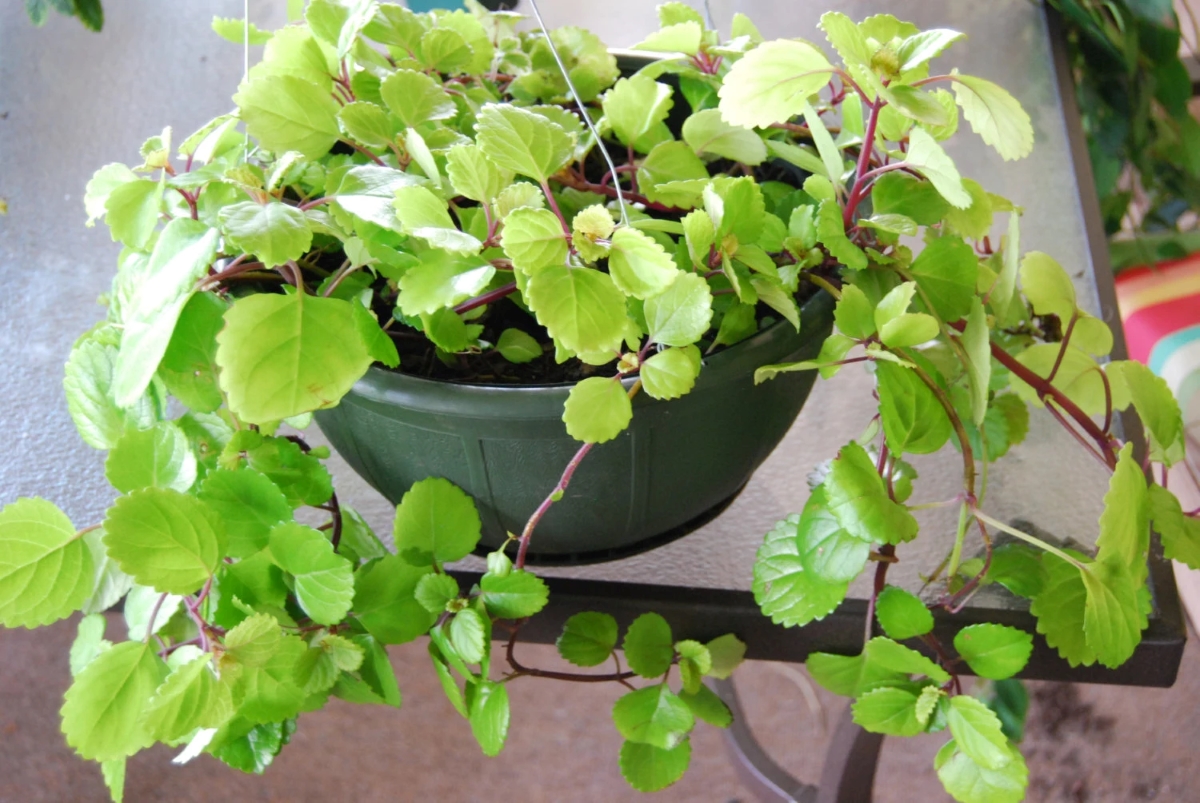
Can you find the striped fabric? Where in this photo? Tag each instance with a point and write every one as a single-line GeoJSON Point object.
{"type": "Point", "coordinates": [1160, 308]}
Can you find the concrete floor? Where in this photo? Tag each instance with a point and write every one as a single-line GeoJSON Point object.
{"type": "Point", "coordinates": [1084, 743]}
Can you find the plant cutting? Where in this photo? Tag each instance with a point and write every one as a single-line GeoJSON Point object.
{"type": "Point", "coordinates": [444, 197]}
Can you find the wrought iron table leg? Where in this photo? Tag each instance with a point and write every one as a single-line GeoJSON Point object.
{"type": "Point", "coordinates": [848, 775]}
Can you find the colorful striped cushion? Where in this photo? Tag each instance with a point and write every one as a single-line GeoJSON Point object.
{"type": "Point", "coordinates": [1160, 308]}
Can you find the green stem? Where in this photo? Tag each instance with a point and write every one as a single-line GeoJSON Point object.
{"type": "Point", "coordinates": [960, 536]}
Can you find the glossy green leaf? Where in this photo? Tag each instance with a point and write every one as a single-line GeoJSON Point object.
{"type": "Point", "coordinates": [1125, 523]}
{"type": "Point", "coordinates": [160, 457]}
{"type": "Point", "coordinates": [102, 711]}
{"type": "Point", "coordinates": [653, 715]}
{"type": "Point", "coordinates": [597, 410]}
{"type": "Point", "coordinates": [273, 232]}
{"type": "Point", "coordinates": [189, 365]}
{"type": "Point", "coordinates": [514, 596]}
{"type": "Point", "coordinates": [927, 158]}
{"type": "Point", "coordinates": [826, 550]}
{"type": "Point", "coordinates": [772, 82]}
{"type": "Point", "coordinates": [89, 642]}
{"type": "Point", "coordinates": [1059, 609]}
{"type": "Point", "coordinates": [639, 265]}
{"type": "Point", "coordinates": [977, 344]}
{"type": "Point", "coordinates": [580, 307]}
{"type": "Point", "coordinates": [324, 580]}
{"type": "Point", "coordinates": [435, 590]}
{"type": "Point", "coordinates": [1113, 619]}
{"type": "Point", "coordinates": [671, 373]}
{"type": "Point", "coordinates": [902, 614]}
{"type": "Point", "coordinates": [441, 280]}
{"type": "Point", "coordinates": [588, 638]}
{"type": "Point", "coordinates": [682, 37]}
{"type": "Point", "coordinates": [132, 211]}
{"type": "Point", "coordinates": [366, 123]}
{"type": "Point", "coordinates": [254, 640]}
{"type": "Point", "coordinates": [995, 116]}
{"type": "Point", "coordinates": [270, 693]}
{"type": "Point", "coordinates": [517, 346]}
{"type": "Point", "coordinates": [165, 539]}
{"type": "Point", "coordinates": [681, 314]}
{"type": "Point", "coordinates": [994, 651]}
{"type": "Point", "coordinates": [707, 133]}
{"type": "Point", "coordinates": [140, 603]}
{"type": "Point", "coordinates": [978, 733]}
{"type": "Point", "coordinates": [831, 232]}
{"type": "Point", "coordinates": [522, 141]}
{"type": "Point", "coordinates": [435, 521]}
{"type": "Point", "coordinates": [649, 648]}
{"type": "Point", "coordinates": [635, 105]}
{"type": "Point", "coordinates": [1047, 286]}
{"type": "Point", "coordinates": [87, 384]}
{"type": "Point", "coordinates": [473, 175]}
{"type": "Point", "coordinates": [1180, 533]}
{"type": "Point", "coordinates": [913, 419]}
{"type": "Point", "coordinates": [850, 675]}
{"type": "Point", "coordinates": [384, 599]}
{"type": "Point", "coordinates": [182, 254]}
{"type": "Point", "coordinates": [783, 588]}
{"type": "Point", "coordinates": [946, 271]}
{"type": "Point", "coordinates": [650, 769]}
{"type": "Point", "coordinates": [858, 499]}
{"type": "Point", "coordinates": [468, 635]}
{"type": "Point", "coordinates": [489, 716]}
{"type": "Point", "coordinates": [970, 782]}
{"type": "Point", "coordinates": [415, 97]}
{"type": "Point", "coordinates": [367, 192]}
{"type": "Point", "coordinates": [287, 113]}
{"type": "Point", "coordinates": [191, 697]}
{"type": "Point", "coordinates": [277, 358]}
{"type": "Point", "coordinates": [46, 568]}
{"type": "Point", "coordinates": [1156, 406]}
{"type": "Point", "coordinates": [894, 657]}
{"type": "Point", "coordinates": [888, 710]}
{"type": "Point", "coordinates": [533, 239]}
{"type": "Point", "coordinates": [898, 193]}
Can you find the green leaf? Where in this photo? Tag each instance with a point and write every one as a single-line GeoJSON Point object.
{"type": "Point", "coordinates": [87, 384]}
{"type": "Point", "coordinates": [435, 591]}
{"type": "Point", "coordinates": [1156, 406]}
{"type": "Point", "coordinates": [831, 233]}
{"type": "Point", "coordinates": [248, 747]}
{"type": "Point", "coordinates": [489, 715]}
{"type": "Point", "coordinates": [785, 590]}
{"type": "Point", "coordinates": [165, 539]}
{"type": "Point", "coordinates": [682, 37]}
{"type": "Point", "coordinates": [274, 232]}
{"type": "Point", "coordinates": [191, 697]}
{"type": "Point", "coordinates": [254, 641]}
{"type": "Point", "coordinates": [419, 208]}
{"type": "Point", "coordinates": [854, 313]}
{"type": "Point", "coordinates": [1113, 619]}
{"type": "Point", "coordinates": [968, 782]}
{"type": "Point", "coordinates": [140, 603]}
{"type": "Point", "coordinates": [639, 265]}
{"type": "Point", "coordinates": [927, 703]}
{"type": "Point", "coordinates": [1018, 568]}
{"type": "Point", "coordinates": [262, 577]}
{"type": "Point", "coordinates": [581, 308]}
{"type": "Point", "coordinates": [927, 158]}
{"type": "Point", "coordinates": [114, 770]}
{"type": "Point", "coordinates": [897, 658]}
{"type": "Point", "coordinates": [681, 314]}
{"type": "Point", "coordinates": [1047, 286]}
{"type": "Point", "coordinates": [327, 658]}
{"type": "Point", "coordinates": [1059, 609]}
{"type": "Point", "coordinates": [858, 499]}
{"type": "Point", "coordinates": [653, 715]}
{"type": "Point", "coordinates": [533, 239]}
{"type": "Point", "coordinates": [899, 193]}
{"type": "Point", "coordinates": [522, 141]}
{"type": "Point", "coordinates": [892, 711]}
{"type": "Point", "coordinates": [367, 123]}
{"type": "Point", "coordinates": [597, 410]}
{"type": "Point", "coordinates": [727, 653]}
{"type": "Point", "coordinates": [324, 580]}
{"type": "Point", "coordinates": [667, 162]}
{"type": "Point", "coordinates": [1125, 523]}
{"type": "Point", "coordinates": [850, 675]}
{"type": "Point", "coordinates": [588, 638]}
{"type": "Point", "coordinates": [183, 253]}
{"type": "Point", "coordinates": [995, 116]}
{"type": "Point", "coordinates": [435, 521]}
{"type": "Point", "coordinates": [772, 82]}
{"type": "Point", "coordinates": [292, 51]}
{"type": "Point", "coordinates": [301, 477]}
{"type": "Point", "coordinates": [1180, 533]}
{"type": "Point", "coordinates": [473, 175]}
{"type": "Point", "coordinates": [469, 636]}
{"type": "Point", "coordinates": [902, 614]}
{"type": "Point", "coordinates": [517, 346]}
{"type": "Point", "coordinates": [287, 113]}
{"type": "Point", "coordinates": [384, 599]}
{"type": "Point", "coordinates": [976, 343]}
{"type": "Point", "coordinates": [650, 769]}
{"type": "Point", "coordinates": [590, 227]}
{"type": "Point", "coordinates": [102, 711]}
{"type": "Point", "coordinates": [846, 38]}
{"type": "Point", "coordinates": [946, 271]}
{"type": "Point", "coordinates": [974, 222]}
{"type": "Point", "coordinates": [694, 663]}
{"type": "Point", "coordinates": [270, 693]}
{"type": "Point", "coordinates": [515, 596]}
{"type": "Point", "coordinates": [707, 706]}
{"type": "Point", "coordinates": [978, 733]}
{"type": "Point", "coordinates": [132, 211]}
{"type": "Point", "coordinates": [671, 373]}
{"type": "Point", "coordinates": [636, 105]}
{"type": "Point", "coordinates": [278, 359]}
{"type": "Point", "coordinates": [909, 329]}
{"type": "Point", "coordinates": [416, 98]}
{"type": "Point", "coordinates": [89, 642]}
{"type": "Point", "coordinates": [994, 651]}
{"type": "Point", "coordinates": [826, 550]}
{"type": "Point", "coordinates": [913, 419]}
{"type": "Point", "coordinates": [46, 569]}
{"type": "Point", "coordinates": [1010, 701]}
{"type": "Point", "coordinates": [367, 192]}
{"type": "Point", "coordinates": [441, 280]}
{"type": "Point", "coordinates": [649, 649]}
{"type": "Point", "coordinates": [919, 48]}
{"type": "Point", "coordinates": [160, 457]}
{"type": "Point", "coordinates": [189, 365]}
{"type": "Point", "coordinates": [707, 133]}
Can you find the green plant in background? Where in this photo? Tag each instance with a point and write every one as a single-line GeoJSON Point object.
{"type": "Point", "coordinates": [89, 12]}
{"type": "Point", "coordinates": [428, 192]}
{"type": "Point", "coordinates": [1144, 144]}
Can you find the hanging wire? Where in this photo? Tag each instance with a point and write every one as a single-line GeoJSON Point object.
{"type": "Point", "coordinates": [583, 112]}
{"type": "Point", "coordinates": [246, 62]}
{"type": "Point", "coordinates": [708, 16]}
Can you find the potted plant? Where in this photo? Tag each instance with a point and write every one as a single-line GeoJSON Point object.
{"type": "Point", "coordinates": [422, 191]}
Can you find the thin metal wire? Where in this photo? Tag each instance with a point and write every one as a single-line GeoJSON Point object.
{"type": "Point", "coordinates": [246, 61]}
{"type": "Point", "coordinates": [583, 112]}
{"type": "Point", "coordinates": [708, 16]}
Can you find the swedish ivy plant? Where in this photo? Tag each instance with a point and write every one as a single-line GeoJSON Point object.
{"type": "Point", "coordinates": [441, 195]}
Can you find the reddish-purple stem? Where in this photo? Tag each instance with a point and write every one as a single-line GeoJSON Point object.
{"type": "Point", "coordinates": [550, 499]}
{"type": "Point", "coordinates": [486, 298]}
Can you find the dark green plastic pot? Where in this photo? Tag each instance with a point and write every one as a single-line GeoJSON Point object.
{"type": "Point", "coordinates": [507, 446]}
